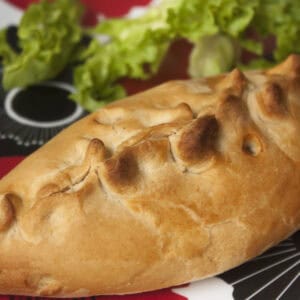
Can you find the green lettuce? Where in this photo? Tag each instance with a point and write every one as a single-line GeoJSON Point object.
{"type": "Point", "coordinates": [212, 55]}
{"type": "Point", "coordinates": [135, 53]}
{"type": "Point", "coordinates": [135, 47]}
{"type": "Point", "coordinates": [282, 20]}
{"type": "Point", "coordinates": [48, 34]}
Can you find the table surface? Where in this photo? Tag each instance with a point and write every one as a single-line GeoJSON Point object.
{"type": "Point", "coordinates": [276, 273]}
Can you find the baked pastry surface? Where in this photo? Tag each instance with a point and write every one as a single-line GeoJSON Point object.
{"type": "Point", "coordinates": [178, 183]}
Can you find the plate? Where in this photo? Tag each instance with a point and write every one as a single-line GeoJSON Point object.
{"type": "Point", "coordinates": [25, 125]}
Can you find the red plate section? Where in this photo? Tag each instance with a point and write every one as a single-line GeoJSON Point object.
{"type": "Point", "coordinates": [7, 163]}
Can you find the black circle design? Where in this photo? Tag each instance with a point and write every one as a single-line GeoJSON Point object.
{"type": "Point", "coordinates": [33, 115]}
{"type": "Point", "coordinates": [41, 103]}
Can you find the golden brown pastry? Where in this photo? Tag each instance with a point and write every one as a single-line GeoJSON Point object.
{"type": "Point", "coordinates": [178, 183]}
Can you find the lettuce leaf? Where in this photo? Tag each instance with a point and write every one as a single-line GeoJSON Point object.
{"type": "Point", "coordinates": [47, 34]}
{"type": "Point", "coordinates": [135, 51]}
{"type": "Point", "coordinates": [277, 18]}
{"type": "Point", "coordinates": [212, 55]}
{"type": "Point", "coordinates": [281, 19]}
{"type": "Point", "coordinates": [134, 48]}
{"type": "Point", "coordinates": [50, 33]}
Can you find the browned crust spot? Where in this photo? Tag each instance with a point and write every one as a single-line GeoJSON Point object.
{"type": "Point", "coordinates": [123, 169]}
{"type": "Point", "coordinates": [230, 105]}
{"type": "Point", "coordinates": [272, 100]}
{"type": "Point", "coordinates": [198, 142]}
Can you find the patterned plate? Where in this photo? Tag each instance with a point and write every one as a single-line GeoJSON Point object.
{"type": "Point", "coordinates": [25, 124]}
